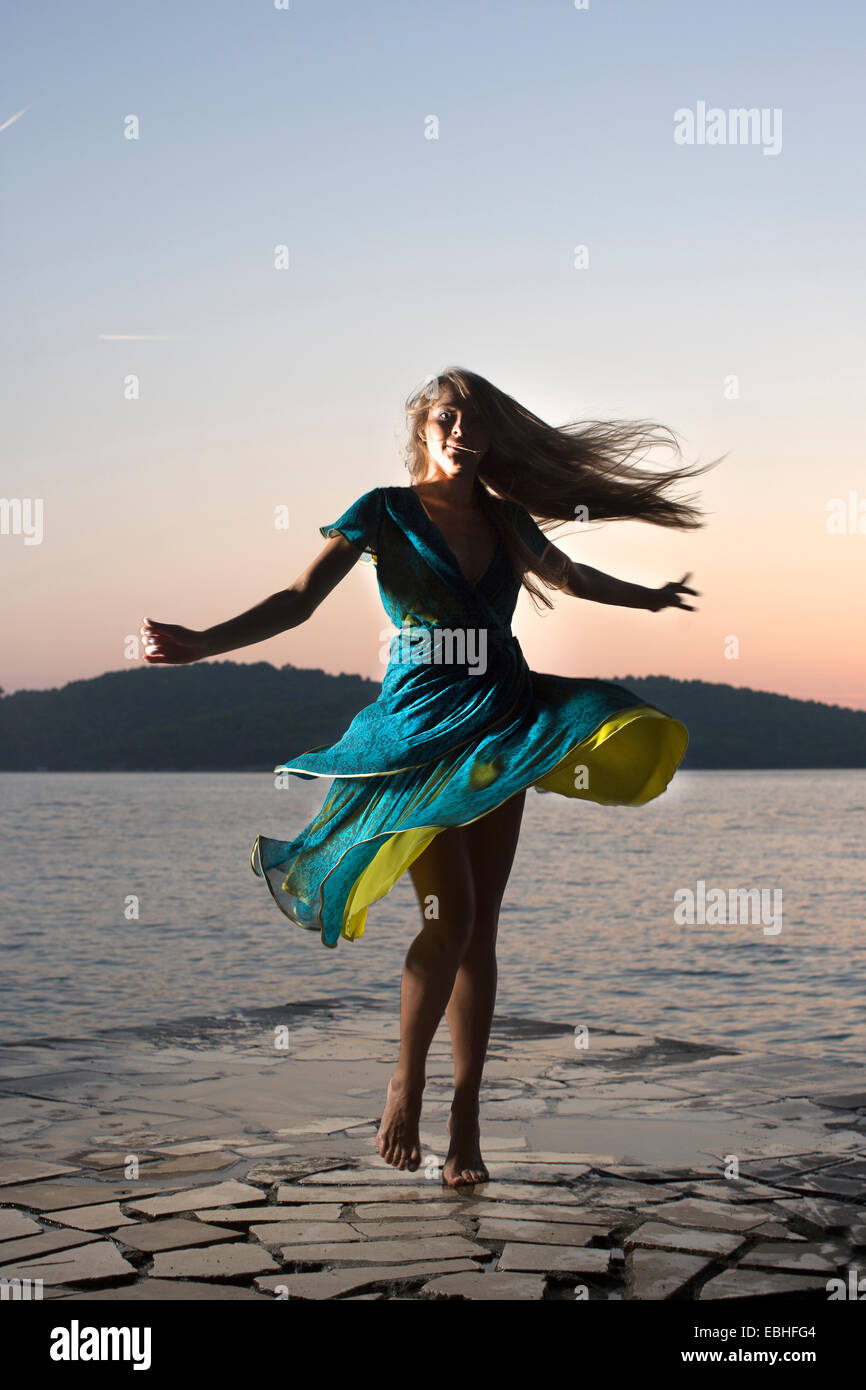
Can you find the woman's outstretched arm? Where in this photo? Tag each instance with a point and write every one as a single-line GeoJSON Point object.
{"type": "Point", "coordinates": [582, 581]}
{"type": "Point", "coordinates": [169, 644]}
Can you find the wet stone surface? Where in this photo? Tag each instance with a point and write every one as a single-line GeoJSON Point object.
{"type": "Point", "coordinates": [610, 1170]}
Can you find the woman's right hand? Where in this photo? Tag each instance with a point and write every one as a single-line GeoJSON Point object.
{"type": "Point", "coordinates": [168, 644]}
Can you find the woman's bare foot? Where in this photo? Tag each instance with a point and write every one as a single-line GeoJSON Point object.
{"type": "Point", "coordinates": [397, 1139]}
{"type": "Point", "coordinates": [464, 1166]}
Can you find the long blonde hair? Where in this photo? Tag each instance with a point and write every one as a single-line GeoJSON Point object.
{"type": "Point", "coordinates": [554, 470]}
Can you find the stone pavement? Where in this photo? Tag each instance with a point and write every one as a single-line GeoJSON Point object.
{"type": "Point", "coordinates": [204, 1161]}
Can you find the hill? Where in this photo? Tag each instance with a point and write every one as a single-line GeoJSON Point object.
{"type": "Point", "coordinates": [228, 716]}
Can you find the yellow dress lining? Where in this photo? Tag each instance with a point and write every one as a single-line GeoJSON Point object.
{"type": "Point", "coordinates": [629, 760]}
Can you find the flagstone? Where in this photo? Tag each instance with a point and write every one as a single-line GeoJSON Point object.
{"type": "Point", "coordinates": [553, 1259]}
{"type": "Point", "coordinates": [195, 1198]}
{"type": "Point", "coordinates": [98, 1259]}
{"type": "Point", "coordinates": [539, 1232]}
{"type": "Point", "coordinates": [58, 1196]}
{"type": "Point", "coordinates": [604, 1218]}
{"type": "Point", "coordinates": [168, 1291]}
{"type": "Point", "coordinates": [14, 1224]}
{"type": "Point", "coordinates": [385, 1251]}
{"type": "Point", "coordinates": [329, 1125]}
{"type": "Point", "coordinates": [708, 1215]}
{"type": "Point", "coordinates": [18, 1170]}
{"type": "Point", "coordinates": [212, 1261]}
{"type": "Point", "coordinates": [170, 1233]}
{"type": "Point", "coordinates": [294, 1193]}
{"type": "Point", "coordinates": [777, 1254]}
{"type": "Point", "coordinates": [193, 1163]}
{"type": "Point", "coordinates": [246, 1216]}
{"type": "Point", "coordinates": [548, 1193]}
{"type": "Point", "coordinates": [330, 1283]}
{"type": "Point", "coordinates": [191, 1147]}
{"type": "Point", "coordinates": [775, 1230]}
{"type": "Point", "coordinates": [655, 1235]}
{"type": "Point", "coordinates": [823, 1213]}
{"type": "Point", "coordinates": [748, 1283]}
{"type": "Point", "coordinates": [361, 1176]}
{"type": "Point", "coordinates": [303, 1233]}
{"type": "Point", "coordinates": [406, 1213]}
{"type": "Point", "coordinates": [733, 1190]}
{"type": "Point", "coordinates": [656, 1274]}
{"type": "Point", "coordinates": [380, 1230]}
{"type": "Point", "coordinates": [497, 1286]}
{"type": "Point", "coordinates": [33, 1247]}
{"type": "Point", "coordinates": [102, 1217]}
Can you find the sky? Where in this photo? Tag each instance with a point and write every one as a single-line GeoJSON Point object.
{"type": "Point", "coordinates": [721, 294]}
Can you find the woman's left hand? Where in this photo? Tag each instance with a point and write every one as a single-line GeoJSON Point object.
{"type": "Point", "coordinates": [668, 595]}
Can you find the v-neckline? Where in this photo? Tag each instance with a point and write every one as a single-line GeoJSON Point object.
{"type": "Point", "coordinates": [446, 547]}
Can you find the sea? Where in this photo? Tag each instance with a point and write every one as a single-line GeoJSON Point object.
{"type": "Point", "coordinates": [728, 911]}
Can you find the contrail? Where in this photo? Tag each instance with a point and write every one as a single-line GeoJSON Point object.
{"type": "Point", "coordinates": [14, 118]}
{"type": "Point", "coordinates": [134, 337]}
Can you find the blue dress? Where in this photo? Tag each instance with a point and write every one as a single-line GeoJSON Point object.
{"type": "Point", "coordinates": [461, 725]}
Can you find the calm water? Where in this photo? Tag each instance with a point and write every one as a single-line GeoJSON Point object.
{"type": "Point", "coordinates": [588, 932]}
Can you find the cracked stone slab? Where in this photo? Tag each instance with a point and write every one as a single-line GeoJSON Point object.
{"type": "Point", "coordinates": [748, 1283]}
{"type": "Point", "coordinates": [775, 1230]}
{"type": "Point", "coordinates": [656, 1274]}
{"type": "Point", "coordinates": [99, 1259]}
{"type": "Point", "coordinates": [329, 1125]}
{"type": "Point", "coordinates": [734, 1190]}
{"type": "Point", "coordinates": [539, 1232]}
{"type": "Point", "coordinates": [545, 1193]}
{"type": "Point", "coordinates": [655, 1235]}
{"type": "Point", "coordinates": [823, 1213]}
{"type": "Point", "coordinates": [34, 1247]}
{"type": "Point", "coordinates": [498, 1286]}
{"type": "Point", "coordinates": [623, 1194]}
{"type": "Point", "coordinates": [247, 1216]}
{"type": "Point", "coordinates": [386, 1251]}
{"type": "Point", "coordinates": [528, 1172]}
{"type": "Point", "coordinates": [292, 1193]}
{"type": "Point", "coordinates": [333, 1282]}
{"type": "Point", "coordinates": [105, 1216]}
{"type": "Point", "coordinates": [847, 1100]}
{"type": "Point", "coordinates": [397, 1230]}
{"type": "Point", "coordinates": [14, 1224]}
{"type": "Point", "coordinates": [713, 1216]}
{"type": "Point", "coordinates": [167, 1290]}
{"type": "Point", "coordinates": [553, 1259]}
{"type": "Point", "coordinates": [18, 1170]}
{"type": "Point", "coordinates": [303, 1233]}
{"type": "Point", "coordinates": [221, 1194]}
{"type": "Point", "coordinates": [193, 1163]}
{"type": "Point", "coordinates": [782, 1255]}
{"type": "Point", "coordinates": [170, 1233]}
{"type": "Point", "coordinates": [212, 1261]}
{"type": "Point", "coordinates": [190, 1147]}
{"type": "Point", "coordinates": [359, 1177]}
{"type": "Point", "coordinates": [405, 1213]}
{"type": "Point", "coordinates": [604, 1218]}
{"type": "Point", "coordinates": [56, 1196]}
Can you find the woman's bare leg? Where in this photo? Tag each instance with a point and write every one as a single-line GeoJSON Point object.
{"type": "Point", "coordinates": [444, 883]}
{"type": "Point", "coordinates": [492, 841]}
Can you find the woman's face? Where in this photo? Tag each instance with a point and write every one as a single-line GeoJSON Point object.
{"type": "Point", "coordinates": [455, 434]}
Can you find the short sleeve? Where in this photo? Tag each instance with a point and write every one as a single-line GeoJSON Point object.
{"type": "Point", "coordinates": [359, 523]}
{"type": "Point", "coordinates": [529, 530]}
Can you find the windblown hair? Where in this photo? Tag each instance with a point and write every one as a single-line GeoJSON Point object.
{"type": "Point", "coordinates": [589, 467]}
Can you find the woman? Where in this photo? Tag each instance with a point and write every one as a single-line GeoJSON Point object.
{"type": "Point", "coordinates": [432, 777]}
